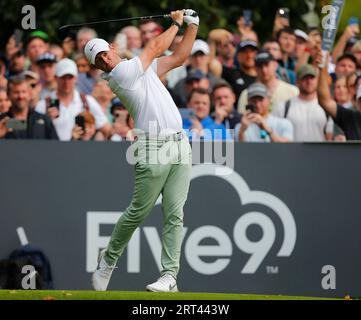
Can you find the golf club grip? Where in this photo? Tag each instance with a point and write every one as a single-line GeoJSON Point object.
{"type": "Point", "coordinates": [168, 16]}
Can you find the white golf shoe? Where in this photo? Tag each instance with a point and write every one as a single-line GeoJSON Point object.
{"type": "Point", "coordinates": [166, 283]}
{"type": "Point", "coordinates": [102, 274]}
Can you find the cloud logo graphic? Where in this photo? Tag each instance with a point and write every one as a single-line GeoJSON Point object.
{"type": "Point", "coordinates": [259, 249]}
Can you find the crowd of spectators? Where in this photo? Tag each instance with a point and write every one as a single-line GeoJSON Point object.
{"type": "Point", "coordinates": [233, 86]}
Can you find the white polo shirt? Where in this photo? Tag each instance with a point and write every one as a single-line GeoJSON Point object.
{"type": "Point", "coordinates": [144, 95]}
{"type": "Point", "coordinates": [64, 124]}
{"type": "Point", "coordinates": [309, 120]}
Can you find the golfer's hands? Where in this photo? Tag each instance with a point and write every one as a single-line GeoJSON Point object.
{"type": "Point", "coordinates": [189, 19]}
{"type": "Point", "coordinates": [177, 16]}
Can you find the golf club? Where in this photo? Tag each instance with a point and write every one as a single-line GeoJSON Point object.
{"type": "Point", "coordinates": [62, 31]}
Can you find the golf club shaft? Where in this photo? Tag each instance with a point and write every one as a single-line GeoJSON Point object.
{"type": "Point", "coordinates": [160, 16]}
{"type": "Point", "coordinates": [114, 20]}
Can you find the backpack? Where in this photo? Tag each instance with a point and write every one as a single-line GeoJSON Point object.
{"type": "Point", "coordinates": [11, 275]}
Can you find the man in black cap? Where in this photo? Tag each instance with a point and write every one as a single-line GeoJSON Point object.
{"type": "Point", "coordinates": [244, 74]}
{"type": "Point", "coordinates": [47, 63]}
{"type": "Point", "coordinates": [266, 67]}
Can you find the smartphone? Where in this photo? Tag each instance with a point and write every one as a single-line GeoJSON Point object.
{"type": "Point", "coordinates": [247, 16]}
{"type": "Point", "coordinates": [80, 121]}
{"type": "Point", "coordinates": [54, 103]}
{"type": "Point", "coordinates": [186, 113]}
{"type": "Point", "coordinates": [18, 35]}
{"type": "Point", "coordinates": [16, 124]}
{"type": "Point", "coordinates": [251, 107]}
{"type": "Point", "coordinates": [284, 13]}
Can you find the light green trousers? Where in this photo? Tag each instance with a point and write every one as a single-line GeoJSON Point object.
{"type": "Point", "coordinates": [162, 167]}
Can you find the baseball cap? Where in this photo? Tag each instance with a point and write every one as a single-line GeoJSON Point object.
{"type": "Point", "coordinates": [257, 89]}
{"type": "Point", "coordinates": [247, 44]}
{"type": "Point", "coordinates": [65, 67]}
{"type": "Point", "coordinates": [30, 74]}
{"type": "Point", "coordinates": [301, 34]}
{"type": "Point", "coordinates": [38, 34]}
{"type": "Point", "coordinates": [358, 95]}
{"type": "Point", "coordinates": [263, 57]}
{"type": "Point", "coordinates": [200, 46]}
{"type": "Point", "coordinates": [195, 75]}
{"type": "Point", "coordinates": [306, 70]}
{"type": "Point", "coordinates": [46, 57]}
{"type": "Point", "coordinates": [93, 47]}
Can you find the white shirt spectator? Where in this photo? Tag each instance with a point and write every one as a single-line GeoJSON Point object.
{"type": "Point", "coordinates": [309, 120]}
{"type": "Point", "coordinates": [282, 92]}
{"type": "Point", "coordinates": [64, 124]}
{"type": "Point", "coordinates": [147, 100]}
{"type": "Point", "coordinates": [281, 127]}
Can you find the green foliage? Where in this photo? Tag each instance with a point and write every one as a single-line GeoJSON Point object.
{"type": "Point", "coordinates": [213, 13]}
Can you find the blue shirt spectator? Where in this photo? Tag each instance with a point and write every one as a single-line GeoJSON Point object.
{"type": "Point", "coordinates": [197, 121]}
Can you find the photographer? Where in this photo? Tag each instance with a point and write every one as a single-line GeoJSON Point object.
{"type": "Point", "coordinates": [258, 125]}
{"type": "Point", "coordinates": [22, 122]}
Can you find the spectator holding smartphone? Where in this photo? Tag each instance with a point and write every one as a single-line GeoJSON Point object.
{"type": "Point", "coordinates": [85, 129]}
{"type": "Point", "coordinates": [258, 125]}
{"type": "Point", "coordinates": [201, 126]}
{"type": "Point", "coordinates": [25, 122]}
{"type": "Point", "coordinates": [71, 103]}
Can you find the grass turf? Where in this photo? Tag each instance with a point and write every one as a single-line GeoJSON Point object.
{"type": "Point", "coordinates": [129, 295]}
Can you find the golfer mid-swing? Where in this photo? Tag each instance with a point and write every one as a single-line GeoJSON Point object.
{"type": "Point", "coordinates": [136, 82]}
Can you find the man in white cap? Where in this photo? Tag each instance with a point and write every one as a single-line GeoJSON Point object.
{"type": "Point", "coordinates": [136, 82]}
{"type": "Point", "coordinates": [66, 103]}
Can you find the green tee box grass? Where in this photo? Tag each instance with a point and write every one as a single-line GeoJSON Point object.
{"type": "Point", "coordinates": [129, 295]}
